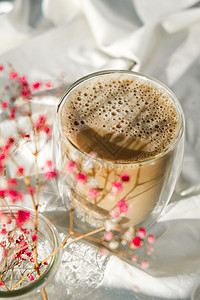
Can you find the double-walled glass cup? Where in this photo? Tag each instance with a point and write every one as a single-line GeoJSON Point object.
{"type": "Point", "coordinates": [94, 185]}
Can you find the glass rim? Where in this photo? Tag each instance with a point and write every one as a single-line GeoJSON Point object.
{"type": "Point", "coordinates": [39, 283]}
{"type": "Point", "coordinates": [158, 83]}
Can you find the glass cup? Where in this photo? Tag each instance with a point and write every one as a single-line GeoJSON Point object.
{"type": "Point", "coordinates": [97, 186]}
{"type": "Point", "coordinates": [48, 240]}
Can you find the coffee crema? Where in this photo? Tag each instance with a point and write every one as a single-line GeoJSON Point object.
{"type": "Point", "coordinates": [120, 118]}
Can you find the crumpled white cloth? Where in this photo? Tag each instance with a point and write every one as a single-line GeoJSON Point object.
{"type": "Point", "coordinates": [44, 39]}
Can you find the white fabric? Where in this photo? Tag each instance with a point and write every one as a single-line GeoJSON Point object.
{"type": "Point", "coordinates": [159, 38]}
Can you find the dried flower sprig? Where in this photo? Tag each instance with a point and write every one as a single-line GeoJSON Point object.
{"type": "Point", "coordinates": [20, 263]}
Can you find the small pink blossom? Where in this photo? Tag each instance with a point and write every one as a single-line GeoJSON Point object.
{"type": "Point", "coordinates": [15, 195]}
{"type": "Point", "coordinates": [116, 187]}
{"type": "Point", "coordinates": [136, 242]}
{"type": "Point", "coordinates": [103, 251]}
{"type": "Point", "coordinates": [123, 206]}
{"type": "Point", "coordinates": [47, 130]}
{"type": "Point", "coordinates": [40, 123]}
{"type": "Point", "coordinates": [13, 75]}
{"type": "Point", "coordinates": [20, 171]}
{"type": "Point", "coordinates": [50, 174]}
{"type": "Point", "coordinates": [10, 141]}
{"type": "Point", "coordinates": [31, 277]}
{"type": "Point", "coordinates": [31, 190]}
{"type": "Point", "coordinates": [1, 283]}
{"type": "Point", "coordinates": [81, 178]}
{"type": "Point", "coordinates": [4, 253]}
{"type": "Point", "coordinates": [36, 85]}
{"type": "Point", "coordinates": [23, 79]}
{"type": "Point", "coordinates": [108, 236]}
{"type": "Point", "coordinates": [125, 177]}
{"type": "Point", "coordinates": [22, 216]}
{"type": "Point", "coordinates": [151, 248]}
{"type": "Point", "coordinates": [141, 232]}
{"type": "Point", "coordinates": [12, 113]}
{"type": "Point", "coordinates": [1, 67]}
{"type": "Point", "coordinates": [7, 87]}
{"type": "Point", "coordinates": [34, 237]}
{"type": "Point", "coordinates": [49, 164]}
{"type": "Point", "coordinates": [12, 181]}
{"type": "Point", "coordinates": [151, 239]}
{"type": "Point", "coordinates": [134, 258]}
{"type": "Point", "coordinates": [48, 84]}
{"type": "Point", "coordinates": [93, 193]}
{"type": "Point", "coordinates": [3, 231]}
{"type": "Point", "coordinates": [71, 166]}
{"type": "Point", "coordinates": [144, 264]}
{"type": "Point", "coordinates": [4, 105]}
{"type": "Point", "coordinates": [2, 193]}
{"type": "Point", "coordinates": [115, 213]}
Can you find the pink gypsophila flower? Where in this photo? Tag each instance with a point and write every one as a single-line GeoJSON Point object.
{"type": "Point", "coordinates": [93, 193]}
{"type": "Point", "coordinates": [141, 232]}
{"type": "Point", "coordinates": [22, 216]}
{"type": "Point", "coordinates": [13, 75]}
{"type": "Point", "coordinates": [115, 213]}
{"type": "Point", "coordinates": [4, 105]}
{"type": "Point", "coordinates": [136, 242]}
{"type": "Point", "coordinates": [144, 264]}
{"type": "Point", "coordinates": [20, 171]}
{"type": "Point", "coordinates": [50, 174]}
{"type": "Point", "coordinates": [31, 277]}
{"type": "Point", "coordinates": [151, 239]}
{"type": "Point", "coordinates": [1, 67]}
{"type": "Point", "coordinates": [71, 166]}
{"type": "Point", "coordinates": [48, 85]}
{"type": "Point", "coordinates": [123, 206]}
{"type": "Point", "coordinates": [3, 231]}
{"type": "Point", "coordinates": [12, 181]}
{"type": "Point", "coordinates": [116, 187]}
{"type": "Point", "coordinates": [125, 177]}
{"type": "Point", "coordinates": [36, 85]}
{"type": "Point", "coordinates": [81, 178]}
{"type": "Point", "coordinates": [108, 236]}
{"type": "Point", "coordinates": [31, 190]}
{"type": "Point", "coordinates": [34, 237]}
{"type": "Point", "coordinates": [40, 123]}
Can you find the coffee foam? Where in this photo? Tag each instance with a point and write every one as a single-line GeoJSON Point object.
{"type": "Point", "coordinates": [129, 111]}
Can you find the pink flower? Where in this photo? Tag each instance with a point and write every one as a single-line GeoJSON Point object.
{"type": "Point", "coordinates": [115, 213]}
{"type": "Point", "coordinates": [144, 264]}
{"type": "Point", "coordinates": [48, 85]}
{"type": "Point", "coordinates": [93, 193]}
{"type": "Point", "coordinates": [116, 187]}
{"type": "Point", "coordinates": [12, 181]}
{"type": "Point", "coordinates": [136, 242]}
{"type": "Point", "coordinates": [108, 236]}
{"type": "Point", "coordinates": [4, 253]}
{"type": "Point", "coordinates": [23, 79]}
{"type": "Point", "coordinates": [103, 251]}
{"type": "Point", "coordinates": [49, 164]}
{"type": "Point", "coordinates": [81, 178]}
{"type": "Point", "coordinates": [40, 123]}
{"type": "Point", "coordinates": [25, 92]}
{"type": "Point", "coordinates": [22, 216]}
{"type": "Point", "coordinates": [31, 190]}
{"type": "Point", "coordinates": [123, 206]}
{"type": "Point", "coordinates": [134, 258]}
{"type": "Point", "coordinates": [125, 177]}
{"type": "Point", "coordinates": [20, 171]}
{"type": "Point", "coordinates": [36, 85]}
{"type": "Point", "coordinates": [141, 232]}
{"type": "Point", "coordinates": [12, 113]}
{"type": "Point", "coordinates": [13, 75]}
{"type": "Point", "coordinates": [1, 283]}
{"type": "Point", "coordinates": [15, 195]}
{"type": "Point", "coordinates": [3, 231]}
{"type": "Point", "coordinates": [34, 237]}
{"type": "Point", "coordinates": [31, 277]}
{"type": "Point", "coordinates": [151, 239]}
{"type": "Point", "coordinates": [47, 130]}
{"type": "Point", "coordinates": [50, 174]}
{"type": "Point", "coordinates": [4, 105]}
{"type": "Point", "coordinates": [2, 193]}
{"type": "Point", "coordinates": [151, 248]}
{"type": "Point", "coordinates": [71, 166]}
{"type": "Point", "coordinates": [1, 67]}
